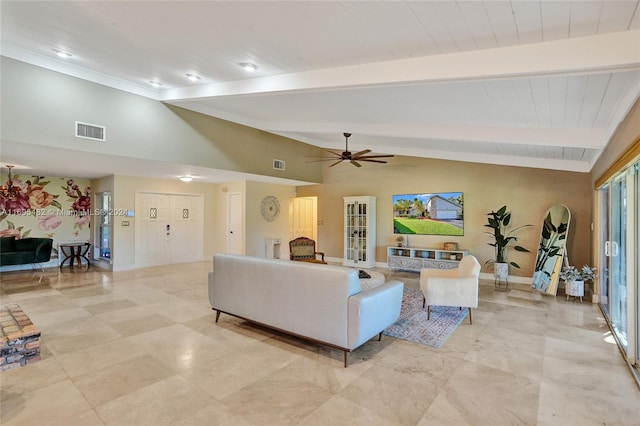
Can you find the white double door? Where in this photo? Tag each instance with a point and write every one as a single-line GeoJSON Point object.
{"type": "Point", "coordinates": [169, 228]}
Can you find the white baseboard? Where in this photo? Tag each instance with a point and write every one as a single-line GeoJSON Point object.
{"type": "Point", "coordinates": [104, 264]}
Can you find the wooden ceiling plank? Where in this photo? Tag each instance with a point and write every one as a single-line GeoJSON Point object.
{"type": "Point", "coordinates": [528, 21]}
{"type": "Point", "coordinates": [635, 18]}
{"type": "Point", "coordinates": [522, 89]}
{"type": "Point", "coordinates": [457, 26]}
{"type": "Point", "coordinates": [433, 25]}
{"type": "Point", "coordinates": [557, 100]}
{"type": "Point", "coordinates": [594, 94]}
{"type": "Point", "coordinates": [619, 84]}
{"type": "Point", "coordinates": [555, 17]}
{"type": "Point", "coordinates": [475, 15]}
{"type": "Point", "coordinates": [585, 16]}
{"type": "Point", "coordinates": [616, 16]}
{"type": "Point", "coordinates": [540, 93]}
{"type": "Point", "coordinates": [575, 95]}
{"type": "Point", "coordinates": [504, 26]}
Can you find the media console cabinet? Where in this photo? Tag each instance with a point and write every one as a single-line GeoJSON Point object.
{"type": "Point", "coordinates": [416, 258]}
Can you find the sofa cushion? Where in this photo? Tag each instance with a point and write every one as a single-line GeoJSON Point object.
{"type": "Point", "coordinates": [7, 244]}
{"type": "Point", "coordinates": [27, 244]}
{"type": "Point", "coordinates": [17, 257]}
{"type": "Point", "coordinates": [25, 250]}
{"type": "Point", "coordinates": [376, 279]}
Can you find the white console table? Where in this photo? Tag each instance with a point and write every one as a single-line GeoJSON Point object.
{"type": "Point", "coordinates": [416, 258]}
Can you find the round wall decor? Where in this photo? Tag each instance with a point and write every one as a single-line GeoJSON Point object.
{"type": "Point", "coordinates": [270, 208]}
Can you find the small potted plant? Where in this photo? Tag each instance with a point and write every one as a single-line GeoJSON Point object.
{"type": "Point", "coordinates": [575, 279]}
{"type": "Point", "coordinates": [499, 222]}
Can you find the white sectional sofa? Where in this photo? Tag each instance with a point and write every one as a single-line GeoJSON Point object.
{"type": "Point", "coordinates": [323, 303]}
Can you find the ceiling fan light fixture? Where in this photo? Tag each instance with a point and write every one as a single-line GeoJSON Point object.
{"type": "Point", "coordinates": [8, 190]}
{"type": "Point", "coordinates": [186, 178]}
{"type": "Point", "coordinates": [155, 83]}
{"type": "Point", "coordinates": [192, 77]}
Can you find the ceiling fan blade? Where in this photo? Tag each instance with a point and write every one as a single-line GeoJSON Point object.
{"type": "Point", "coordinates": [322, 159]}
{"type": "Point", "coordinates": [346, 155]}
{"type": "Point", "coordinates": [371, 161]}
{"type": "Point", "coordinates": [375, 156]}
{"type": "Point", "coordinates": [357, 154]}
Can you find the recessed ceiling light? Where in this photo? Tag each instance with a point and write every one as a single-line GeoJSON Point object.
{"type": "Point", "coordinates": [186, 178]}
{"type": "Point", "coordinates": [247, 66]}
{"type": "Point", "coordinates": [193, 77]}
{"type": "Point", "coordinates": [155, 83]}
{"type": "Point", "coordinates": [62, 54]}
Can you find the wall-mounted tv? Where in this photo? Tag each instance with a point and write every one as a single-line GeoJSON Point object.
{"type": "Point", "coordinates": [429, 214]}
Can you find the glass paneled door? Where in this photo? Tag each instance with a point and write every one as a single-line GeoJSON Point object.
{"type": "Point", "coordinates": [635, 359]}
{"type": "Point", "coordinates": [614, 256]}
{"type": "Point", "coordinates": [360, 231]}
{"type": "Point", "coordinates": [619, 292]}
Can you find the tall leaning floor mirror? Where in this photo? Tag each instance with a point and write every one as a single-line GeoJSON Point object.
{"type": "Point", "coordinates": [552, 249]}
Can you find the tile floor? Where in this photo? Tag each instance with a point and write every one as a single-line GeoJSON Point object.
{"type": "Point", "coordinates": [141, 348]}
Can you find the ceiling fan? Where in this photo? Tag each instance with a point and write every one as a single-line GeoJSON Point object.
{"type": "Point", "coordinates": [353, 158]}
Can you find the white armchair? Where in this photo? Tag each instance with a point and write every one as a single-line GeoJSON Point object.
{"type": "Point", "coordinates": [451, 287]}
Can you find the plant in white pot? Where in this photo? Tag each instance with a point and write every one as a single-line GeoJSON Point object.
{"type": "Point", "coordinates": [575, 279]}
{"type": "Point", "coordinates": [503, 237]}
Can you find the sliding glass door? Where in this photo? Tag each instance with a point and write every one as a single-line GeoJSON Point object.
{"type": "Point", "coordinates": [615, 250]}
{"type": "Point", "coordinates": [619, 282]}
{"type": "Point", "coordinates": [635, 200]}
{"type": "Point", "coordinates": [605, 259]}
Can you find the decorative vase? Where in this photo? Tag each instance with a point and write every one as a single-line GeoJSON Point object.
{"type": "Point", "coordinates": [575, 288]}
{"type": "Point", "coordinates": [501, 270]}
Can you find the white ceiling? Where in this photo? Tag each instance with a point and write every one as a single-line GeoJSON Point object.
{"type": "Point", "coordinates": [526, 83]}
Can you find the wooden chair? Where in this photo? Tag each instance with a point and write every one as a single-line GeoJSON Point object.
{"type": "Point", "coordinates": [303, 249]}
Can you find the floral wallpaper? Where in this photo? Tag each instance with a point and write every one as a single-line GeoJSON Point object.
{"type": "Point", "coordinates": [41, 206]}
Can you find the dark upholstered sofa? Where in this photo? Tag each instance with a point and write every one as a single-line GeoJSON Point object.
{"type": "Point", "coordinates": [25, 250]}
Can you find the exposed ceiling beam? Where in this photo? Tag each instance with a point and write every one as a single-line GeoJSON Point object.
{"type": "Point", "coordinates": [599, 53]}
{"type": "Point", "coordinates": [571, 138]}
{"type": "Point", "coordinates": [505, 160]}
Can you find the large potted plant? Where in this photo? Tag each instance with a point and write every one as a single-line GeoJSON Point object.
{"type": "Point", "coordinates": [503, 237]}
{"type": "Point", "coordinates": [575, 279]}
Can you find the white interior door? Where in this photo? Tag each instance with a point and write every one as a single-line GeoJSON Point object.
{"type": "Point", "coordinates": [302, 220]}
{"type": "Point", "coordinates": [235, 223]}
{"type": "Point", "coordinates": [186, 233]}
{"type": "Point", "coordinates": [152, 220]}
{"type": "Point", "coordinates": [169, 229]}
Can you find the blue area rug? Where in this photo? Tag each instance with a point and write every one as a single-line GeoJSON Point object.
{"type": "Point", "coordinates": [413, 325]}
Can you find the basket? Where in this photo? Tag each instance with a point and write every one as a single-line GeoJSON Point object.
{"type": "Point", "coordinates": [451, 246]}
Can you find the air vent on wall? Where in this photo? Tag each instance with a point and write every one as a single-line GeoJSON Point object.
{"type": "Point", "coordinates": [91, 131]}
{"type": "Point", "coordinates": [278, 164]}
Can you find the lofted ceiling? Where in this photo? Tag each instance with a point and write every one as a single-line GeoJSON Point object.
{"type": "Point", "coordinates": [526, 83]}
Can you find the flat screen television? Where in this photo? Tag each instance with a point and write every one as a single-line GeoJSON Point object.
{"type": "Point", "coordinates": [429, 214]}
